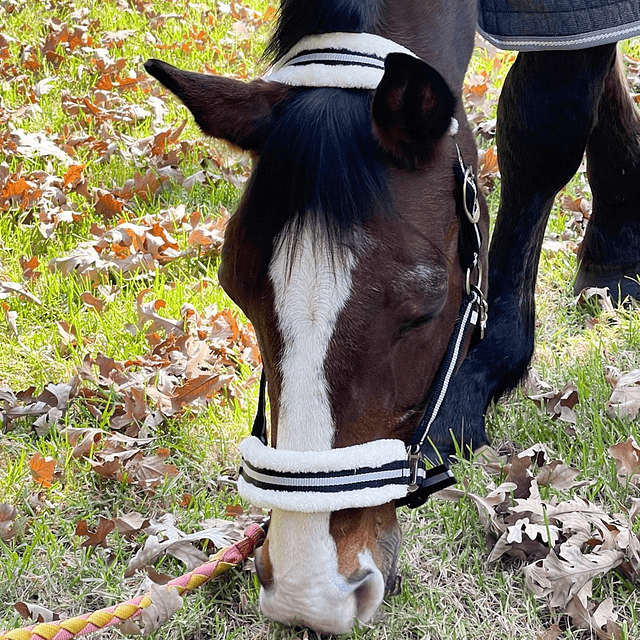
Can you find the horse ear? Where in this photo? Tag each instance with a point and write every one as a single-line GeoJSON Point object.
{"type": "Point", "coordinates": [412, 109]}
{"type": "Point", "coordinates": [238, 112]}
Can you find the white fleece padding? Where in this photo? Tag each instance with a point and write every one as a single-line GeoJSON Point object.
{"type": "Point", "coordinates": [344, 76]}
{"type": "Point", "coordinates": [320, 75]}
{"type": "Point", "coordinates": [371, 454]}
{"type": "Point", "coordinates": [318, 502]}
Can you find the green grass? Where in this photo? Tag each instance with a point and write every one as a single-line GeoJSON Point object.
{"type": "Point", "coordinates": [449, 589]}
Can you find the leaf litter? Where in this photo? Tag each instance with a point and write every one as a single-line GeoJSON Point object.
{"type": "Point", "coordinates": [164, 538]}
{"type": "Point", "coordinates": [625, 397]}
{"type": "Point", "coordinates": [563, 544]}
{"type": "Point", "coordinates": [191, 361]}
{"type": "Point", "coordinates": [182, 369]}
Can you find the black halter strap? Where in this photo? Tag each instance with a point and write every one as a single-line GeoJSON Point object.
{"type": "Point", "coordinates": [472, 315]}
{"type": "Point", "coordinates": [259, 429]}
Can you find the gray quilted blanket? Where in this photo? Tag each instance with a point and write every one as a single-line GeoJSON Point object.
{"type": "Point", "coordinates": [527, 25]}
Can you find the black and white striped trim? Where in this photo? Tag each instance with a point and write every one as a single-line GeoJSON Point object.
{"type": "Point", "coordinates": [336, 57]}
{"type": "Point", "coordinates": [397, 472]}
{"type": "Point", "coordinates": [567, 43]}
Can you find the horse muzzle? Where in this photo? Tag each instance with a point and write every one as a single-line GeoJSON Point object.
{"type": "Point", "coordinates": [327, 602]}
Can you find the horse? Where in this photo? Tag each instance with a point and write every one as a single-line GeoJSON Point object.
{"type": "Point", "coordinates": [358, 251]}
{"type": "Point", "coordinates": [347, 253]}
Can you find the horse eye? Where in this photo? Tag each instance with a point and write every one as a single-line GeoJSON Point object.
{"type": "Point", "coordinates": [409, 325]}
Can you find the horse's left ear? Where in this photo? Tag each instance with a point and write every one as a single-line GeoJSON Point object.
{"type": "Point", "coordinates": [238, 112]}
{"type": "Point", "coordinates": [412, 109]}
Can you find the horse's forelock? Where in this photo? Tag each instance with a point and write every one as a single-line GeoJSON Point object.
{"type": "Point", "coordinates": [321, 168]}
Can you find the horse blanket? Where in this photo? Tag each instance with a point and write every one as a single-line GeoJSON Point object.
{"type": "Point", "coordinates": [530, 25]}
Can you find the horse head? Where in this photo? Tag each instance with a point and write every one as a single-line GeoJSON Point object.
{"type": "Point", "coordinates": [345, 255]}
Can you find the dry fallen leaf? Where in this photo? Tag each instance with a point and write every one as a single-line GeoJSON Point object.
{"type": "Point", "coordinates": [8, 288]}
{"type": "Point", "coordinates": [559, 475]}
{"type": "Point", "coordinates": [9, 527]}
{"type": "Point", "coordinates": [559, 405]}
{"type": "Point", "coordinates": [150, 471]}
{"type": "Point", "coordinates": [552, 633]}
{"type": "Point", "coordinates": [625, 399]}
{"type": "Point", "coordinates": [627, 457]}
{"type": "Point", "coordinates": [601, 618]}
{"type": "Point", "coordinates": [165, 537]}
{"type": "Point", "coordinates": [83, 440]}
{"type": "Point", "coordinates": [131, 523]}
{"type": "Point", "coordinates": [165, 601]}
{"type": "Point", "coordinates": [562, 575]}
{"type": "Point", "coordinates": [91, 301]}
{"type": "Point", "coordinates": [602, 296]}
{"type": "Point", "coordinates": [42, 470]}
{"type": "Point", "coordinates": [11, 317]}
{"type": "Point", "coordinates": [526, 541]}
{"type": "Point", "coordinates": [148, 312]}
{"type": "Point", "coordinates": [97, 538]}
{"type": "Point", "coordinates": [35, 612]}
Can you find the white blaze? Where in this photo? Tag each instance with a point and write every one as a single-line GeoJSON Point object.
{"type": "Point", "coordinates": [309, 295]}
{"type": "Point", "coordinates": [311, 288]}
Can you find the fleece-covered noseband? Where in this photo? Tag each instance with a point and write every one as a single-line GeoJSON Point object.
{"type": "Point", "coordinates": [380, 471]}
{"type": "Point", "coordinates": [364, 475]}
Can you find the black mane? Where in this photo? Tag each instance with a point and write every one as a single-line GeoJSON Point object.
{"type": "Point", "coordinates": [299, 18]}
{"type": "Point", "coordinates": [321, 165]}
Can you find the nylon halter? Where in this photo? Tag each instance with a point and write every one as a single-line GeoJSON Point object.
{"type": "Point", "coordinates": [380, 471]}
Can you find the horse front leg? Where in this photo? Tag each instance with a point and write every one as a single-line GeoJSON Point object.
{"type": "Point", "coordinates": [610, 252]}
{"type": "Point", "coordinates": [546, 113]}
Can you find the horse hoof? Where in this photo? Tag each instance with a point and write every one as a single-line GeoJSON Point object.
{"type": "Point", "coordinates": [622, 284]}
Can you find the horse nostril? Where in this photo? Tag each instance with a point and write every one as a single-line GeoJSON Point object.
{"type": "Point", "coordinates": [368, 592]}
{"type": "Point", "coordinates": [359, 576]}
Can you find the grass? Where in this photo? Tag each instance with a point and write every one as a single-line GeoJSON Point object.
{"type": "Point", "coordinates": [449, 589]}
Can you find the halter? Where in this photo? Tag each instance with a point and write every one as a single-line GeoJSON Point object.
{"type": "Point", "coordinates": [380, 471]}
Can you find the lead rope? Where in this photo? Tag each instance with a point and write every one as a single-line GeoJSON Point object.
{"type": "Point", "coordinates": [224, 560]}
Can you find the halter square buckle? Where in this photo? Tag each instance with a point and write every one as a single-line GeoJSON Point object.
{"type": "Point", "coordinates": [415, 456]}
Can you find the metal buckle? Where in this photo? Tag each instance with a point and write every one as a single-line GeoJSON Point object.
{"type": "Point", "coordinates": [484, 314]}
{"type": "Point", "coordinates": [414, 456]}
{"type": "Point", "coordinates": [468, 285]}
{"type": "Point", "coordinates": [482, 309]}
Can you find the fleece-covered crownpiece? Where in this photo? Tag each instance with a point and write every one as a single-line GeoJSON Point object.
{"type": "Point", "coordinates": [344, 60]}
